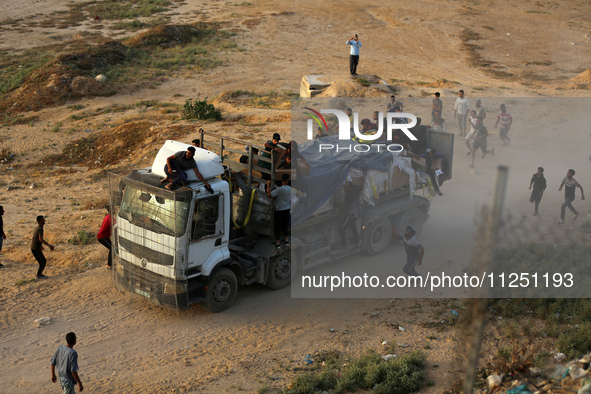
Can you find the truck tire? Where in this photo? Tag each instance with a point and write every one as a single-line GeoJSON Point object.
{"type": "Point", "coordinates": [378, 237]}
{"type": "Point", "coordinates": [221, 290]}
{"type": "Point", "coordinates": [280, 271]}
{"type": "Point", "coordinates": [414, 218]}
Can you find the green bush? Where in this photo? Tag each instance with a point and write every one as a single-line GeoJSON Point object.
{"type": "Point", "coordinates": [404, 374]}
{"type": "Point", "coordinates": [82, 238]}
{"type": "Point", "coordinates": [200, 109]}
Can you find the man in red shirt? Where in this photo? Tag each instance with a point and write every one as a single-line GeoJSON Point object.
{"type": "Point", "coordinates": [104, 235]}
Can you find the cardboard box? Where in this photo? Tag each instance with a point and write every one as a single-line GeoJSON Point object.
{"type": "Point", "coordinates": [399, 178]}
{"type": "Point", "coordinates": [421, 164]}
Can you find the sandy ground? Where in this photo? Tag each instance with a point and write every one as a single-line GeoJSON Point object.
{"type": "Point", "coordinates": [127, 345]}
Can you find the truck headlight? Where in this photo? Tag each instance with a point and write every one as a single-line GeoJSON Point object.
{"type": "Point", "coordinates": [173, 289]}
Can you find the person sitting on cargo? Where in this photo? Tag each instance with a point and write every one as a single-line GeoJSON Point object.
{"type": "Point", "coordinates": [367, 125]}
{"type": "Point", "coordinates": [429, 157]}
{"type": "Point", "coordinates": [282, 209]}
{"type": "Point", "coordinates": [285, 163]}
{"type": "Point", "coordinates": [177, 164]}
{"type": "Point", "coordinates": [320, 134]}
{"type": "Point", "coordinates": [244, 158]}
{"type": "Point", "coordinates": [196, 143]}
{"type": "Point", "coordinates": [294, 154]}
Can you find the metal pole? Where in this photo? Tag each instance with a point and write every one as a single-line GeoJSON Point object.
{"type": "Point", "coordinates": [493, 222]}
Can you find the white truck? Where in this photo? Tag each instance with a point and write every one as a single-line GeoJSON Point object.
{"type": "Point", "coordinates": [186, 246]}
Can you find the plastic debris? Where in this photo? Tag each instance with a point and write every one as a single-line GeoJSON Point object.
{"type": "Point", "coordinates": [559, 356]}
{"type": "Point", "coordinates": [42, 321]}
{"type": "Point", "coordinates": [388, 357]}
{"type": "Point", "coordinates": [308, 360]}
{"type": "Point", "coordinates": [494, 381]}
{"type": "Point", "coordinates": [385, 343]}
{"type": "Point", "coordinates": [519, 390]}
{"type": "Point", "coordinates": [401, 329]}
{"type": "Point", "coordinates": [576, 373]}
{"type": "Point", "coordinates": [455, 313]}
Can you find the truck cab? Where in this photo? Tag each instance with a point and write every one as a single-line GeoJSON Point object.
{"type": "Point", "coordinates": [186, 246]}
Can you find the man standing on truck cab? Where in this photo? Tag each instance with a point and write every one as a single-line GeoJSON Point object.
{"type": "Point", "coordinates": [282, 208]}
{"type": "Point", "coordinates": [414, 250]}
{"type": "Point", "coordinates": [177, 164]}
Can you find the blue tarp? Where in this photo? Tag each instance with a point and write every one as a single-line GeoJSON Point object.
{"type": "Point", "coordinates": [329, 170]}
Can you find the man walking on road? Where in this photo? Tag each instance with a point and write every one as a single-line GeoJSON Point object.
{"type": "Point", "coordinates": [65, 360]}
{"type": "Point", "coordinates": [414, 250]}
{"type": "Point", "coordinates": [569, 184]}
{"type": "Point", "coordinates": [354, 54]}
{"type": "Point", "coordinates": [461, 111]}
{"type": "Point", "coordinates": [37, 246]}
{"type": "Point", "coordinates": [539, 183]}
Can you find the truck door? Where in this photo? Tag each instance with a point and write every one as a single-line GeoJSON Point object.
{"type": "Point", "coordinates": [443, 142]}
{"type": "Point", "coordinates": [207, 231]}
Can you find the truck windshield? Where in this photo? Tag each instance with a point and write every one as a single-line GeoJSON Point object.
{"type": "Point", "coordinates": [154, 213]}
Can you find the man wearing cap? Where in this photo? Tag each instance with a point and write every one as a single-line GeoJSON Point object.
{"type": "Point", "coordinates": [506, 120]}
{"type": "Point", "coordinates": [177, 164]}
{"type": "Point", "coordinates": [37, 246]}
{"type": "Point", "coordinates": [539, 183]}
{"type": "Point", "coordinates": [354, 54]}
{"type": "Point", "coordinates": [270, 146]}
{"type": "Point", "coordinates": [414, 250]}
{"type": "Point", "coordinates": [461, 111]}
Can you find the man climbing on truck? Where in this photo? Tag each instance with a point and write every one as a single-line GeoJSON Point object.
{"type": "Point", "coordinates": [282, 207]}
{"type": "Point", "coordinates": [177, 164]}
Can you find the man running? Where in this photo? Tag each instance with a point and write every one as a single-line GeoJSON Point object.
{"type": "Point", "coordinates": [539, 183]}
{"type": "Point", "coordinates": [569, 184]}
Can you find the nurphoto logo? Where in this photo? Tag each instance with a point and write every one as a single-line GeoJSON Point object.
{"type": "Point", "coordinates": [347, 131]}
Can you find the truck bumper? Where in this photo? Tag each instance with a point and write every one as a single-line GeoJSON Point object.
{"type": "Point", "coordinates": [157, 289]}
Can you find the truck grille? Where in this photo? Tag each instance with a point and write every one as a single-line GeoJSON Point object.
{"type": "Point", "coordinates": [140, 251]}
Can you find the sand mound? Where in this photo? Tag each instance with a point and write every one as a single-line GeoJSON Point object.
{"type": "Point", "coordinates": [165, 36]}
{"type": "Point", "coordinates": [67, 77]}
{"type": "Point", "coordinates": [344, 86]}
{"type": "Point", "coordinates": [585, 76]}
{"type": "Point", "coordinates": [117, 144]}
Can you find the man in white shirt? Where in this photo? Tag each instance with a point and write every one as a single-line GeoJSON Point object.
{"type": "Point", "coordinates": [461, 111]}
{"type": "Point", "coordinates": [282, 209]}
{"type": "Point", "coordinates": [354, 54]}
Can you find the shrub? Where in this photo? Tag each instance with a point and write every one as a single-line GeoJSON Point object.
{"type": "Point", "coordinates": [82, 238]}
{"type": "Point", "coordinates": [200, 109]}
{"type": "Point", "coordinates": [403, 374]}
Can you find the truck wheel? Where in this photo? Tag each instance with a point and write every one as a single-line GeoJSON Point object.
{"type": "Point", "coordinates": [221, 290]}
{"type": "Point", "coordinates": [414, 218]}
{"type": "Point", "coordinates": [378, 237]}
{"type": "Point", "coordinates": [280, 271]}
